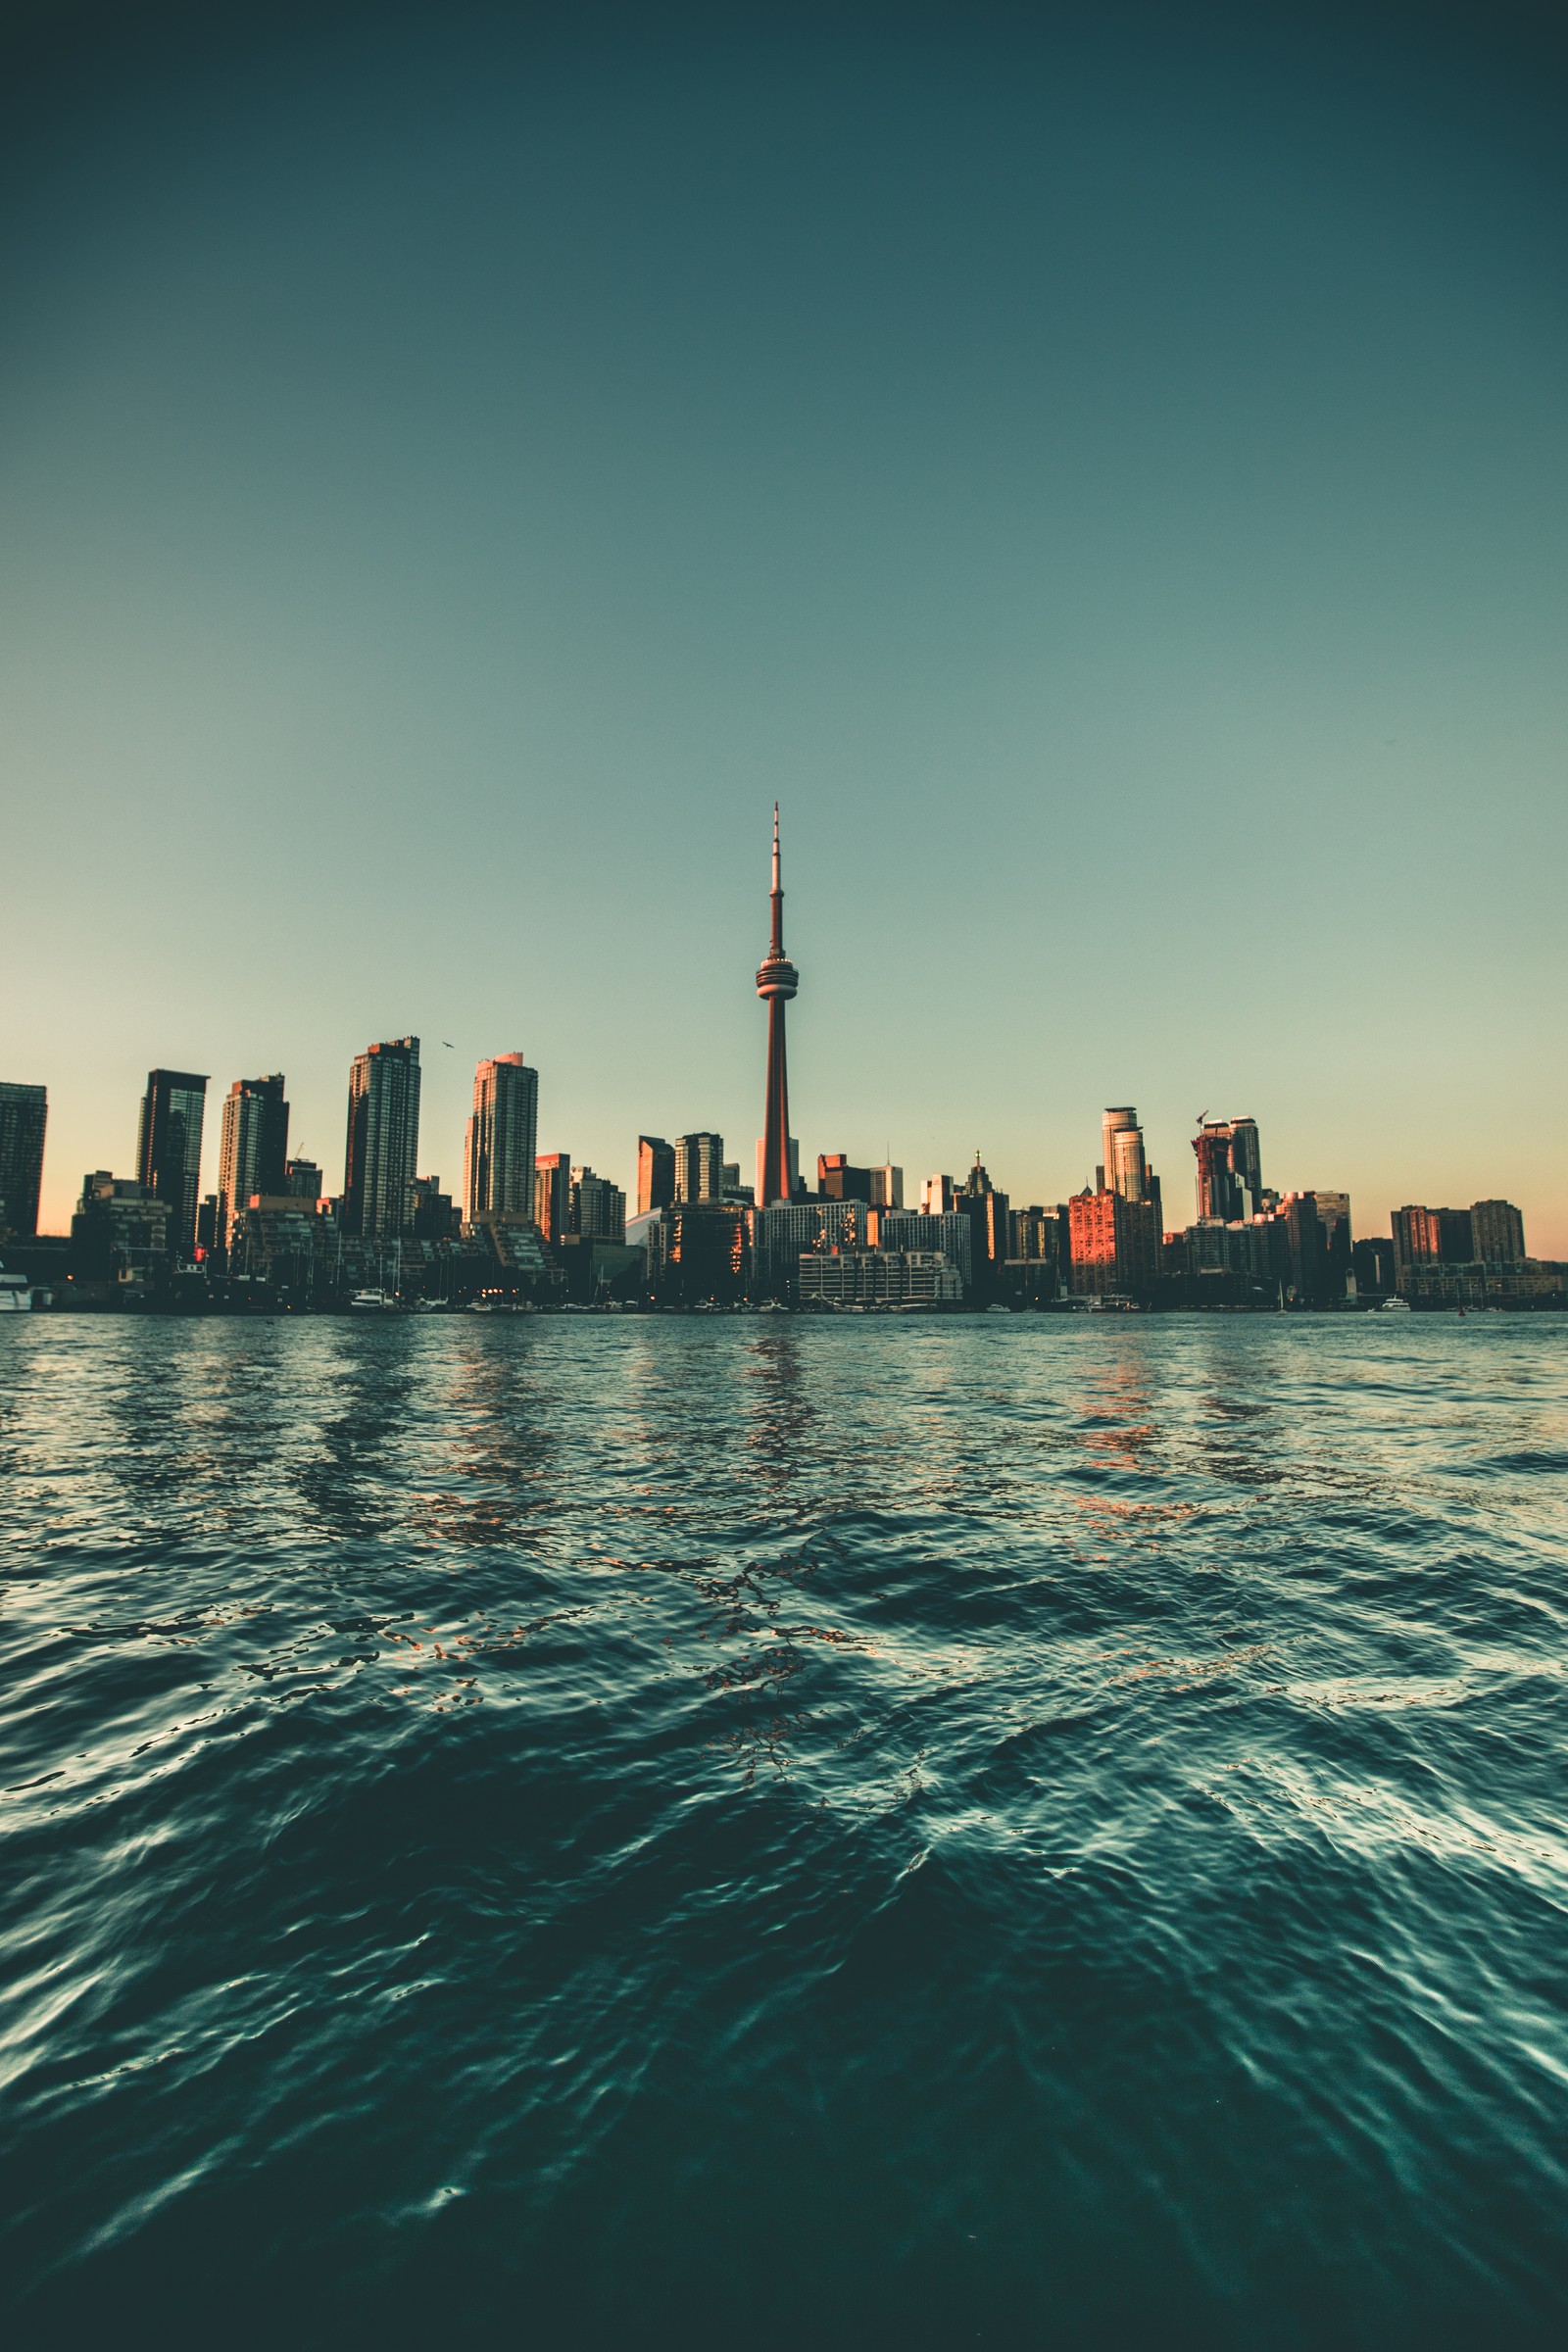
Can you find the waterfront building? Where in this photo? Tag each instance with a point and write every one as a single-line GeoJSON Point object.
{"type": "Point", "coordinates": [169, 1150]}
{"type": "Point", "coordinates": [1498, 1232]}
{"type": "Point", "coordinates": [837, 1180]}
{"type": "Point", "coordinates": [951, 1235]}
{"type": "Point", "coordinates": [598, 1207]}
{"type": "Point", "coordinates": [552, 1195]}
{"type": "Point", "coordinates": [699, 1251]}
{"type": "Point", "coordinates": [24, 1116]}
{"type": "Point", "coordinates": [1035, 1235]}
{"type": "Point", "coordinates": [887, 1187]}
{"type": "Point", "coordinates": [253, 1147]}
{"type": "Point", "coordinates": [303, 1179]}
{"type": "Point", "coordinates": [1372, 1265]}
{"type": "Point", "coordinates": [656, 1175]}
{"type": "Point", "coordinates": [209, 1227]}
{"type": "Point", "coordinates": [700, 1167]}
{"type": "Point", "coordinates": [1316, 1232]}
{"type": "Point", "coordinates": [1443, 1237]}
{"type": "Point", "coordinates": [280, 1240]}
{"type": "Point", "coordinates": [1114, 1243]}
{"type": "Point", "coordinates": [1456, 1237]}
{"type": "Point", "coordinates": [780, 1235]}
{"type": "Point", "coordinates": [502, 1141]}
{"type": "Point", "coordinates": [381, 1155]}
{"type": "Point", "coordinates": [877, 1278]}
{"type": "Point", "coordinates": [777, 981]}
{"type": "Point", "coordinates": [513, 1243]}
{"type": "Point", "coordinates": [1224, 1261]}
{"type": "Point", "coordinates": [1417, 1239]}
{"type": "Point", "coordinates": [120, 1232]}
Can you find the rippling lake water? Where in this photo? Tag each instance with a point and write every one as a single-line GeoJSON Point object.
{"type": "Point", "coordinates": [748, 1831]}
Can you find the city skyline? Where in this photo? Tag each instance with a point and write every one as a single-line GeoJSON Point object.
{"type": "Point", "coordinates": [1114, 1231]}
{"type": "Point", "coordinates": [1107, 489]}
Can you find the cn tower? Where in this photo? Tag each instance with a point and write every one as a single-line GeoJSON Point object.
{"type": "Point", "coordinates": [776, 980]}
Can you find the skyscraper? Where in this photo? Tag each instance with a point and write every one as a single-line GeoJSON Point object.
{"type": "Point", "coordinates": [23, 1115]}
{"type": "Point", "coordinates": [699, 1168]}
{"type": "Point", "coordinates": [253, 1149]}
{"type": "Point", "coordinates": [551, 1193]}
{"type": "Point", "coordinates": [498, 1161]}
{"type": "Point", "coordinates": [169, 1149]}
{"type": "Point", "coordinates": [1122, 1146]}
{"type": "Point", "coordinates": [381, 1158]}
{"type": "Point", "coordinates": [1230, 1172]}
{"type": "Point", "coordinates": [988, 1212]}
{"type": "Point", "coordinates": [656, 1175]}
{"type": "Point", "coordinates": [777, 982]}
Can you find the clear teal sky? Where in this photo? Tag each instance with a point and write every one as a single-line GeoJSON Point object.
{"type": "Point", "coordinates": [1101, 469]}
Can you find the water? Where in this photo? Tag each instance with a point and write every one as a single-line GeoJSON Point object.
{"type": "Point", "coordinates": [697, 1831]}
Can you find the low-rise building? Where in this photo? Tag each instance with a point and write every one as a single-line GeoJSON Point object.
{"type": "Point", "coordinates": [902, 1278]}
{"type": "Point", "coordinates": [120, 1232]}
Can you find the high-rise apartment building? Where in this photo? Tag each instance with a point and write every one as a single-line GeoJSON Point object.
{"type": "Point", "coordinates": [552, 1195]}
{"type": "Point", "coordinates": [1417, 1238]}
{"type": "Point", "coordinates": [1440, 1237]}
{"type": "Point", "coordinates": [917, 1228]}
{"type": "Point", "coordinates": [1456, 1237]}
{"type": "Point", "coordinates": [1498, 1232]}
{"type": "Point", "coordinates": [253, 1149]}
{"type": "Point", "coordinates": [169, 1150]}
{"type": "Point", "coordinates": [656, 1175]}
{"type": "Point", "coordinates": [1123, 1158]}
{"type": "Point", "coordinates": [24, 1116]}
{"type": "Point", "coordinates": [380, 1160]}
{"type": "Point", "coordinates": [301, 1179]}
{"type": "Point", "coordinates": [598, 1207]}
{"type": "Point", "coordinates": [503, 1138]}
{"type": "Point", "coordinates": [1114, 1243]}
{"type": "Point", "coordinates": [699, 1168]}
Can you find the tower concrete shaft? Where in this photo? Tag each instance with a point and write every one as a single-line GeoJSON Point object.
{"type": "Point", "coordinates": [777, 981]}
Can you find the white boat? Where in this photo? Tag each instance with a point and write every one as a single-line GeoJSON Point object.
{"type": "Point", "coordinates": [373, 1303]}
{"type": "Point", "coordinates": [16, 1294]}
{"type": "Point", "coordinates": [1394, 1307]}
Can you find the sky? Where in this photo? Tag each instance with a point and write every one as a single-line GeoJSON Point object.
{"type": "Point", "coordinates": [1100, 468]}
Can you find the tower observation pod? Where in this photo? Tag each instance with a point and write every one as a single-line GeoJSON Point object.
{"type": "Point", "coordinates": [777, 982]}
